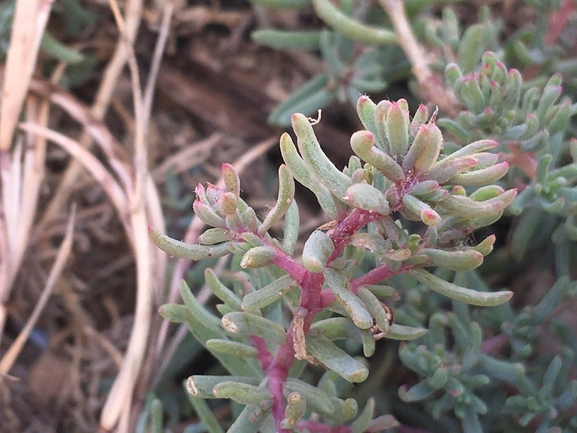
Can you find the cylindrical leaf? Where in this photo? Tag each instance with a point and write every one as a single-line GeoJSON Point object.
{"type": "Point", "coordinates": [303, 175]}
{"type": "Point", "coordinates": [362, 422]}
{"type": "Point", "coordinates": [317, 400]}
{"type": "Point", "coordinates": [354, 307]}
{"type": "Point", "coordinates": [430, 140]}
{"type": "Point", "coordinates": [351, 28]}
{"type": "Point", "coordinates": [418, 392]}
{"type": "Point", "coordinates": [429, 216]}
{"type": "Point", "coordinates": [471, 149]}
{"type": "Point", "coordinates": [317, 250]}
{"type": "Point", "coordinates": [296, 407]}
{"type": "Point", "coordinates": [268, 294]}
{"type": "Point", "coordinates": [258, 257]}
{"type": "Point", "coordinates": [463, 260]}
{"type": "Point", "coordinates": [231, 179]}
{"type": "Point", "coordinates": [400, 332]}
{"type": "Point", "coordinates": [291, 228]}
{"type": "Point", "coordinates": [175, 313]}
{"type": "Point", "coordinates": [207, 214]}
{"type": "Point", "coordinates": [483, 299]}
{"type": "Point", "coordinates": [465, 207]}
{"type": "Point", "coordinates": [367, 197]}
{"type": "Point", "coordinates": [232, 348]}
{"type": "Point", "coordinates": [243, 393]}
{"type": "Point", "coordinates": [284, 39]}
{"type": "Point", "coordinates": [314, 157]}
{"type": "Point", "coordinates": [336, 359]}
{"type": "Point", "coordinates": [387, 292]}
{"type": "Point", "coordinates": [397, 130]}
{"type": "Point", "coordinates": [214, 236]}
{"type": "Point", "coordinates": [187, 251]}
{"type": "Point", "coordinates": [221, 291]}
{"type": "Point", "coordinates": [366, 112]}
{"type": "Point", "coordinates": [481, 177]}
{"type": "Point", "coordinates": [424, 188]}
{"type": "Point", "coordinates": [449, 168]}
{"type": "Point", "coordinates": [363, 144]}
{"type": "Point", "coordinates": [375, 308]}
{"type": "Point", "coordinates": [423, 139]}
{"type": "Point", "coordinates": [286, 192]}
{"type": "Point", "coordinates": [202, 386]}
{"type": "Point", "coordinates": [246, 324]}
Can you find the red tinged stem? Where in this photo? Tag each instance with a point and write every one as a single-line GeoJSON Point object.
{"type": "Point", "coordinates": [377, 275]}
{"type": "Point", "coordinates": [347, 227]}
{"type": "Point", "coordinates": [311, 285]}
{"type": "Point", "coordinates": [264, 356]}
{"type": "Point", "coordinates": [312, 300]}
{"type": "Point", "coordinates": [558, 21]}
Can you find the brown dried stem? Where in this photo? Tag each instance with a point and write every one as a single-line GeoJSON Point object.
{"type": "Point", "coordinates": [133, 15]}
{"type": "Point", "coordinates": [430, 85]}
{"type": "Point", "coordinates": [16, 201]}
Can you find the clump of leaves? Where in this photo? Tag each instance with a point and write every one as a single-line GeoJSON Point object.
{"type": "Point", "coordinates": [283, 313]}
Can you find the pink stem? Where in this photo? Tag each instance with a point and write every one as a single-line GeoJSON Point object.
{"type": "Point", "coordinates": [347, 227]}
{"type": "Point", "coordinates": [264, 356]}
{"type": "Point", "coordinates": [277, 374]}
{"type": "Point", "coordinates": [558, 21]}
{"type": "Point", "coordinates": [377, 275]}
{"type": "Point", "coordinates": [313, 299]}
{"type": "Point", "coordinates": [494, 343]}
{"type": "Point", "coordinates": [311, 285]}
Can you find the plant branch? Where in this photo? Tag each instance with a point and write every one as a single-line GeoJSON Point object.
{"type": "Point", "coordinates": [356, 220]}
{"type": "Point", "coordinates": [377, 275]}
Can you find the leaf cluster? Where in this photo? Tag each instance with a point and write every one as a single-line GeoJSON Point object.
{"type": "Point", "coordinates": [399, 242]}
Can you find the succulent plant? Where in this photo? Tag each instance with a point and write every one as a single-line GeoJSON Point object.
{"type": "Point", "coordinates": [303, 305]}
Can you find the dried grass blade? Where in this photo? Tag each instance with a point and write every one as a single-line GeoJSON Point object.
{"type": "Point", "coordinates": [30, 19]}
{"type": "Point", "coordinates": [116, 410]}
{"type": "Point", "coordinates": [32, 177]}
{"type": "Point", "coordinates": [133, 12]}
{"type": "Point", "coordinates": [94, 167]}
{"type": "Point", "coordinates": [97, 130]}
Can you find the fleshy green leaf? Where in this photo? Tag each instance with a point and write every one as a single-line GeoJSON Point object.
{"type": "Point", "coordinates": [336, 359]}
{"type": "Point", "coordinates": [317, 250]}
{"type": "Point", "coordinates": [483, 299]}
{"type": "Point", "coordinates": [286, 192]}
{"type": "Point", "coordinates": [267, 295]}
{"type": "Point", "coordinates": [187, 251]}
{"type": "Point", "coordinates": [314, 157]}
{"type": "Point", "coordinates": [354, 307]}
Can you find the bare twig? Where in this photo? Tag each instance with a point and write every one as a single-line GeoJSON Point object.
{"type": "Point", "coordinates": [92, 165]}
{"type": "Point", "coordinates": [429, 84]}
{"type": "Point", "coordinates": [32, 174]}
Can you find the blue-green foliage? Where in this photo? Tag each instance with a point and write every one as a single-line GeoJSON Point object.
{"type": "Point", "coordinates": [501, 384]}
